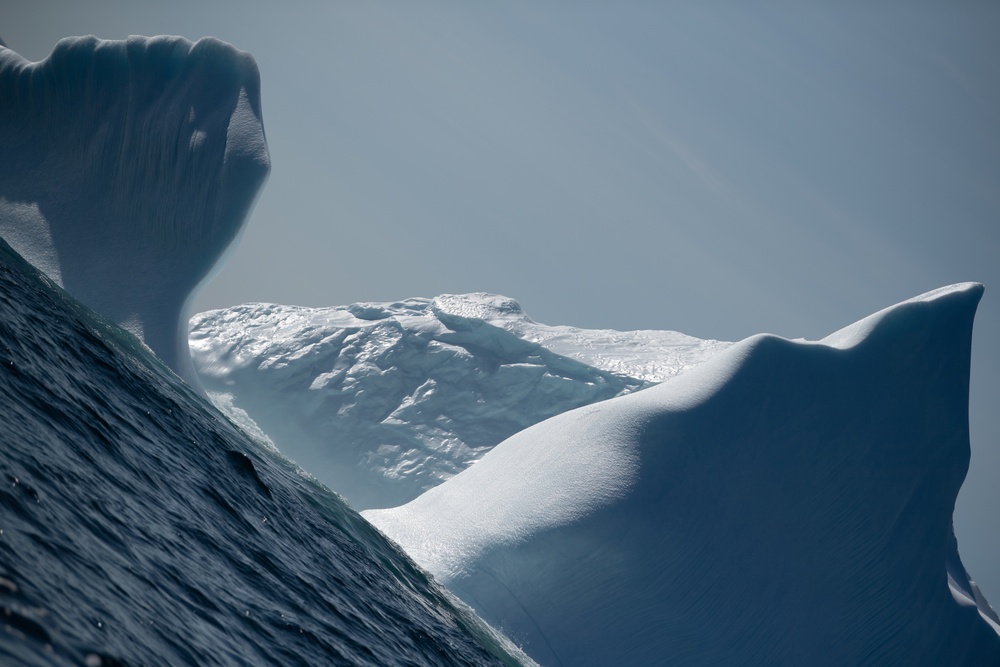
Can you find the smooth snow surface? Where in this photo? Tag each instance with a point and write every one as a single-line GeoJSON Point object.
{"type": "Point", "coordinates": [382, 401]}
{"type": "Point", "coordinates": [128, 169]}
{"type": "Point", "coordinates": [783, 503]}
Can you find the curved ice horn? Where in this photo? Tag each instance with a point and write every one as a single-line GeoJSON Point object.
{"type": "Point", "coordinates": [130, 167]}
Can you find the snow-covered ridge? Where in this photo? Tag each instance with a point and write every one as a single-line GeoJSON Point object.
{"type": "Point", "coordinates": [648, 355]}
{"type": "Point", "coordinates": [129, 168]}
{"type": "Point", "coordinates": [783, 503]}
{"type": "Point", "coordinates": [384, 400]}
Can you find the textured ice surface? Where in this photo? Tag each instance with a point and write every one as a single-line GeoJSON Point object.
{"type": "Point", "coordinates": [128, 169]}
{"type": "Point", "coordinates": [139, 527]}
{"type": "Point", "coordinates": [384, 400]}
{"type": "Point", "coordinates": [783, 503]}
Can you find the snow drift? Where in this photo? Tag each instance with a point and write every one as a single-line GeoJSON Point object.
{"type": "Point", "coordinates": [784, 503]}
{"type": "Point", "coordinates": [382, 401]}
{"type": "Point", "coordinates": [129, 168]}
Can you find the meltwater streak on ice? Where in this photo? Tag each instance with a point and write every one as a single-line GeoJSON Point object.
{"type": "Point", "coordinates": [137, 526]}
{"type": "Point", "coordinates": [129, 167]}
{"type": "Point", "coordinates": [783, 503]}
{"type": "Point", "coordinates": [382, 401]}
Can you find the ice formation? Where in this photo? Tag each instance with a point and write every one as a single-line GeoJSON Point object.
{"type": "Point", "coordinates": [783, 503]}
{"type": "Point", "coordinates": [383, 400]}
{"type": "Point", "coordinates": [129, 168]}
{"type": "Point", "coordinates": [139, 527]}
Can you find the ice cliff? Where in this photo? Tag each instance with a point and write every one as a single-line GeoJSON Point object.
{"type": "Point", "coordinates": [128, 169]}
{"type": "Point", "coordinates": [783, 503]}
{"type": "Point", "coordinates": [382, 401]}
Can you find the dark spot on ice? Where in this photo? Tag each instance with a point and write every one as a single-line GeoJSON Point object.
{"type": "Point", "coordinates": [25, 489]}
{"type": "Point", "coordinates": [8, 365]}
{"type": "Point", "coordinates": [245, 467]}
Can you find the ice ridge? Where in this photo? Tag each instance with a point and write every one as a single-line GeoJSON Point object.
{"type": "Point", "coordinates": [783, 503]}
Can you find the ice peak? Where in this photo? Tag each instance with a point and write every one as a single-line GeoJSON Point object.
{"type": "Point", "coordinates": [959, 300]}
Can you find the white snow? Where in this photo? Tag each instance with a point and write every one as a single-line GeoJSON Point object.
{"type": "Point", "coordinates": [783, 503]}
{"type": "Point", "coordinates": [650, 355]}
{"type": "Point", "coordinates": [129, 168]}
{"type": "Point", "coordinates": [383, 400]}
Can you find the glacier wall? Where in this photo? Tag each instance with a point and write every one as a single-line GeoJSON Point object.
{"type": "Point", "coordinates": [382, 401]}
{"type": "Point", "coordinates": [783, 503]}
{"type": "Point", "coordinates": [129, 169]}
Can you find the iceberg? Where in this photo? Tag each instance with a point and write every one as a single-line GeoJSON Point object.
{"type": "Point", "coordinates": [137, 524]}
{"type": "Point", "coordinates": [769, 502]}
{"type": "Point", "coordinates": [782, 503]}
{"type": "Point", "coordinates": [382, 401]}
{"type": "Point", "coordinates": [129, 169]}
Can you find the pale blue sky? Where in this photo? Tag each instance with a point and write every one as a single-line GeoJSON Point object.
{"type": "Point", "coordinates": [720, 169]}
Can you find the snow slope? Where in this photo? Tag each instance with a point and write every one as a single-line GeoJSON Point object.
{"type": "Point", "coordinates": [384, 400]}
{"type": "Point", "coordinates": [783, 503]}
{"type": "Point", "coordinates": [129, 168]}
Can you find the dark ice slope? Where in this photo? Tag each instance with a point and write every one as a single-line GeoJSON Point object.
{"type": "Point", "coordinates": [138, 526]}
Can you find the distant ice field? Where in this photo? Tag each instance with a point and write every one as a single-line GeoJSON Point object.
{"type": "Point", "coordinates": [382, 401]}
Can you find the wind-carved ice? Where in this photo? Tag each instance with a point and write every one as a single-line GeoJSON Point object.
{"type": "Point", "coordinates": [782, 503]}
{"type": "Point", "coordinates": [382, 401]}
{"type": "Point", "coordinates": [129, 168]}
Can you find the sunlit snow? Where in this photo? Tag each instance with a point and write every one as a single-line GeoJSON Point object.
{"type": "Point", "coordinates": [382, 401]}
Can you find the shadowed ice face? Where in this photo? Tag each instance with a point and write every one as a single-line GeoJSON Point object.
{"type": "Point", "coordinates": [135, 164]}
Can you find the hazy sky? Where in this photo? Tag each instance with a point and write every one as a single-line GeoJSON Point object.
{"type": "Point", "coordinates": [720, 169]}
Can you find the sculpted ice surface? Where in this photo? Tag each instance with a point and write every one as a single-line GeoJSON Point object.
{"type": "Point", "coordinates": [783, 503]}
{"type": "Point", "coordinates": [129, 168]}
